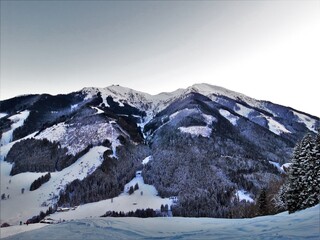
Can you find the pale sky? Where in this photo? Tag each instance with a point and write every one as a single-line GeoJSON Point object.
{"type": "Point", "coordinates": [268, 50]}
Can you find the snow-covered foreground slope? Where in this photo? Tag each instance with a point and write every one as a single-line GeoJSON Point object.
{"type": "Point", "coordinates": [301, 225]}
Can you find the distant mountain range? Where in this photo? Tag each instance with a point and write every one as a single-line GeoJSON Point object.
{"type": "Point", "coordinates": [203, 147]}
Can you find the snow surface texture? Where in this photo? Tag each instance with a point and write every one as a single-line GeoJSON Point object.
{"type": "Point", "coordinates": [301, 225]}
{"type": "Point", "coordinates": [18, 120]}
{"type": "Point", "coordinates": [21, 206]}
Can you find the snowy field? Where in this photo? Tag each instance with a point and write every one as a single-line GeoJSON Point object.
{"type": "Point", "coordinates": [145, 197]}
{"type": "Point", "coordinates": [302, 225]}
{"type": "Point", "coordinates": [19, 207]}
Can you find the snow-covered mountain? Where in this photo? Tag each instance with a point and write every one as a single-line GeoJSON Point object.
{"type": "Point", "coordinates": [203, 144]}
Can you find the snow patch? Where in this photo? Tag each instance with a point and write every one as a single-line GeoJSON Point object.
{"type": "Point", "coordinates": [144, 120]}
{"type": "Point", "coordinates": [208, 119]}
{"type": "Point", "coordinates": [185, 111]}
{"type": "Point", "coordinates": [203, 131]}
{"type": "Point", "coordinates": [275, 126]}
{"type": "Point", "coordinates": [3, 115]}
{"type": "Point", "coordinates": [73, 107]}
{"type": "Point", "coordinates": [242, 110]}
{"type": "Point", "coordinates": [285, 167]}
{"type": "Point", "coordinates": [229, 116]}
{"type": "Point", "coordinates": [18, 120]}
{"type": "Point", "coordinates": [243, 195]}
{"type": "Point", "coordinates": [277, 165]}
{"type": "Point", "coordinates": [307, 121]}
{"type": "Point", "coordinates": [98, 110]}
{"type": "Point", "coordinates": [211, 90]}
{"type": "Point", "coordinates": [146, 160]}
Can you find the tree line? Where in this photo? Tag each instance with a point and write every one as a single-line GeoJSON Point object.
{"type": "Point", "coordinates": [302, 188]}
{"type": "Point", "coordinates": [38, 182]}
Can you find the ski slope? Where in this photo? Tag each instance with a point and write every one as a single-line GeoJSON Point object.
{"type": "Point", "coordinates": [145, 197]}
{"type": "Point", "coordinates": [17, 121]}
{"type": "Point", "coordinates": [301, 225]}
{"type": "Point", "coordinates": [21, 206]}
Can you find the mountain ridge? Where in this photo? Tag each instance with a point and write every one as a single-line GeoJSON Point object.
{"type": "Point", "coordinates": [206, 145]}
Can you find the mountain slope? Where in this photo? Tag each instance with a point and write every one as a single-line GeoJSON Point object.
{"type": "Point", "coordinates": [205, 144]}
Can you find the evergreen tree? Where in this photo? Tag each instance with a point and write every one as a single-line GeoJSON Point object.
{"type": "Point", "coordinates": [303, 187]}
{"type": "Point", "coordinates": [131, 190]}
{"type": "Point", "coordinates": [162, 208]}
{"type": "Point", "coordinates": [262, 203]}
{"type": "Point", "coordinates": [310, 183]}
{"type": "Point", "coordinates": [294, 186]}
{"type": "Point", "coordinates": [280, 199]}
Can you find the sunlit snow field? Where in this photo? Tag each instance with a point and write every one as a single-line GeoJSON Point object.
{"type": "Point", "coordinates": [301, 225]}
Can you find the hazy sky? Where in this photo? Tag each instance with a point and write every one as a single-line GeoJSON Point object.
{"type": "Point", "coordinates": [268, 50]}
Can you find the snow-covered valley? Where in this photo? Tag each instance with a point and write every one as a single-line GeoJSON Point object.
{"type": "Point", "coordinates": [13, 211]}
{"type": "Point", "coordinates": [301, 225]}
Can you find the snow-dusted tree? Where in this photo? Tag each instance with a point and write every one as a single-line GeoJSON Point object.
{"type": "Point", "coordinates": [303, 187]}
{"type": "Point", "coordinates": [294, 184]}
{"type": "Point", "coordinates": [280, 199]}
{"type": "Point", "coordinates": [310, 179]}
{"type": "Point", "coordinates": [317, 161]}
